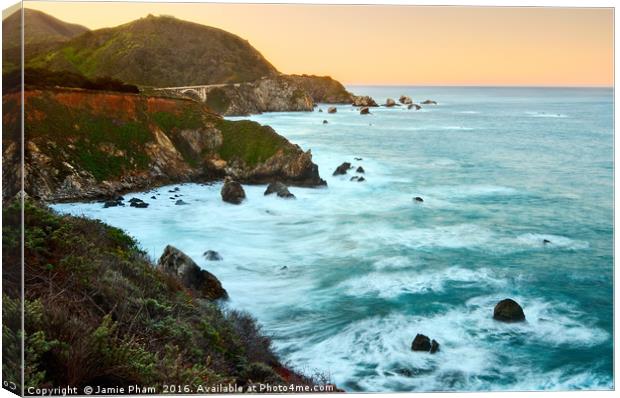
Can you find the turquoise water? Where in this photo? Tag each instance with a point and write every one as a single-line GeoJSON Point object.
{"type": "Point", "coordinates": [500, 169]}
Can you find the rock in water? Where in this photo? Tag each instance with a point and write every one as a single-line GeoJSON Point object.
{"type": "Point", "coordinates": [280, 189]}
{"type": "Point", "coordinates": [325, 122]}
{"type": "Point", "coordinates": [508, 310]}
{"type": "Point", "coordinates": [332, 109]}
{"type": "Point", "coordinates": [181, 202]}
{"type": "Point", "coordinates": [113, 203]}
{"type": "Point", "coordinates": [178, 264]}
{"type": "Point", "coordinates": [405, 100]}
{"type": "Point", "coordinates": [364, 111]}
{"type": "Point", "coordinates": [232, 192]}
{"type": "Point", "coordinates": [546, 241]}
{"type": "Point", "coordinates": [390, 102]}
{"type": "Point", "coordinates": [416, 106]}
{"type": "Point", "coordinates": [212, 255]}
{"type": "Point", "coordinates": [360, 169]}
{"type": "Point", "coordinates": [423, 343]}
{"type": "Point", "coordinates": [139, 203]}
{"type": "Point", "coordinates": [418, 199]}
{"type": "Point", "coordinates": [429, 102]}
{"type": "Point", "coordinates": [342, 169]}
{"type": "Point", "coordinates": [320, 110]}
{"type": "Point", "coordinates": [363, 101]}
{"type": "Point", "coordinates": [434, 346]}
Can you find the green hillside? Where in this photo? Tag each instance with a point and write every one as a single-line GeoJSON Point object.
{"type": "Point", "coordinates": [160, 51]}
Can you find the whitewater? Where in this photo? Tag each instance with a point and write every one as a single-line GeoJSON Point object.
{"type": "Point", "coordinates": [343, 277]}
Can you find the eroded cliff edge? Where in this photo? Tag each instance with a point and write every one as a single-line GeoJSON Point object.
{"type": "Point", "coordinates": [281, 93]}
{"type": "Point", "coordinates": [82, 145]}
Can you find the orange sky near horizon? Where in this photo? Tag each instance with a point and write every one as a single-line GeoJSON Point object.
{"type": "Point", "coordinates": [416, 45]}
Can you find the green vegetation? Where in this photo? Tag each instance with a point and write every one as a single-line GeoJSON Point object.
{"type": "Point", "coordinates": [159, 52]}
{"type": "Point", "coordinates": [97, 312]}
{"type": "Point", "coordinates": [249, 141]}
{"type": "Point", "coordinates": [40, 28]}
{"type": "Point", "coordinates": [42, 78]}
{"type": "Point", "coordinates": [105, 146]}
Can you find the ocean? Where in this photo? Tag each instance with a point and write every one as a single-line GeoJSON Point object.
{"type": "Point", "coordinates": [344, 277]}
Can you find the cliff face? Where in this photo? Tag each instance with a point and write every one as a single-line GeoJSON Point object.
{"type": "Point", "coordinates": [323, 89]}
{"type": "Point", "coordinates": [274, 94]}
{"type": "Point", "coordinates": [84, 145]}
{"type": "Point", "coordinates": [283, 93]}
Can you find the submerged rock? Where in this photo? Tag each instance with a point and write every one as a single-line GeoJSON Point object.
{"type": "Point", "coordinates": [113, 203]}
{"type": "Point", "coordinates": [232, 192]}
{"type": "Point", "coordinates": [212, 255]}
{"type": "Point", "coordinates": [416, 106]}
{"type": "Point", "coordinates": [325, 122]}
{"type": "Point", "coordinates": [358, 159]}
{"type": "Point", "coordinates": [332, 109]}
{"type": "Point", "coordinates": [342, 169]}
{"type": "Point", "coordinates": [357, 178]}
{"type": "Point", "coordinates": [423, 343]}
{"type": "Point", "coordinates": [546, 241]}
{"type": "Point", "coordinates": [508, 310]}
{"type": "Point", "coordinates": [429, 102]}
{"type": "Point", "coordinates": [181, 202]}
{"type": "Point", "coordinates": [139, 203]}
{"type": "Point", "coordinates": [360, 169]}
{"type": "Point", "coordinates": [390, 102]}
{"type": "Point", "coordinates": [280, 189]}
{"type": "Point", "coordinates": [320, 110]}
{"type": "Point", "coordinates": [178, 264]}
{"type": "Point", "coordinates": [364, 111]}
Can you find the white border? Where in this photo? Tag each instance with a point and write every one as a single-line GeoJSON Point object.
{"type": "Point", "coordinates": [532, 3]}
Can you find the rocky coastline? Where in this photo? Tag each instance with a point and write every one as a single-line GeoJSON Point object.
{"type": "Point", "coordinates": [84, 145]}
{"type": "Point", "coordinates": [280, 93]}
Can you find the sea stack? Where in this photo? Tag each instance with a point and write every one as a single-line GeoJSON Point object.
{"type": "Point", "coordinates": [232, 191]}
{"type": "Point", "coordinates": [508, 311]}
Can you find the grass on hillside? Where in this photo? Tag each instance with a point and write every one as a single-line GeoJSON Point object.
{"type": "Point", "coordinates": [97, 312]}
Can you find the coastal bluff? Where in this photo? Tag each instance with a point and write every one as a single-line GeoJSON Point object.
{"type": "Point", "coordinates": [281, 93]}
{"type": "Point", "coordinates": [83, 145]}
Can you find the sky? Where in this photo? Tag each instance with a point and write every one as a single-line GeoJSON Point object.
{"type": "Point", "coordinates": [416, 45]}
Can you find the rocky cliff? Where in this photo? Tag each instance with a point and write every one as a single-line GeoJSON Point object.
{"type": "Point", "coordinates": [282, 93]}
{"type": "Point", "coordinates": [323, 89]}
{"type": "Point", "coordinates": [83, 145]}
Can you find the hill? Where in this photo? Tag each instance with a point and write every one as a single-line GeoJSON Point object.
{"type": "Point", "coordinates": [42, 33]}
{"type": "Point", "coordinates": [97, 312]}
{"type": "Point", "coordinates": [160, 51]}
{"type": "Point", "coordinates": [39, 28]}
